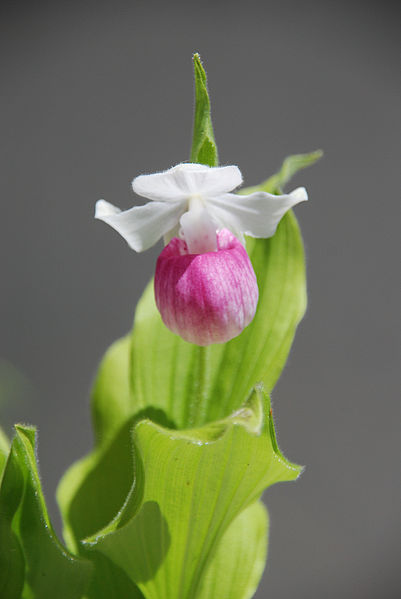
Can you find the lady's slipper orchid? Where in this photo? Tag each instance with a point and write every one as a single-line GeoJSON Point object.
{"type": "Point", "coordinates": [205, 287]}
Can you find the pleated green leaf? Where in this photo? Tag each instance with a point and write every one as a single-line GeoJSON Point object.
{"type": "Point", "coordinates": [236, 568]}
{"type": "Point", "coordinates": [111, 399]}
{"type": "Point", "coordinates": [94, 489]}
{"type": "Point", "coordinates": [195, 483]}
{"type": "Point", "coordinates": [33, 563]}
{"type": "Point", "coordinates": [259, 354]}
{"type": "Point", "coordinates": [109, 581]}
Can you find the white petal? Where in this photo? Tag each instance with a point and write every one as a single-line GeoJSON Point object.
{"type": "Point", "coordinates": [257, 214]}
{"type": "Point", "coordinates": [104, 209]}
{"type": "Point", "coordinates": [186, 179]}
{"type": "Point", "coordinates": [224, 219]}
{"type": "Point", "coordinates": [141, 226]}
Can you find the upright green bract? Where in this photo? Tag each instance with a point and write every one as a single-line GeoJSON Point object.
{"type": "Point", "coordinates": [167, 505]}
{"type": "Point", "coordinates": [204, 149]}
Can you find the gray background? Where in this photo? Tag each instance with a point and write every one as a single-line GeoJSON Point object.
{"type": "Point", "coordinates": [94, 93]}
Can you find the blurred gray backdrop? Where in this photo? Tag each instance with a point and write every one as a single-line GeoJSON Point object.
{"type": "Point", "coordinates": [95, 93]}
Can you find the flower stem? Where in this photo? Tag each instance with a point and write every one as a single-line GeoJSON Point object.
{"type": "Point", "coordinates": [198, 403]}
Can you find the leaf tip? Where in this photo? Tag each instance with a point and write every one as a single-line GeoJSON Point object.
{"type": "Point", "coordinates": [200, 76]}
{"type": "Point", "coordinates": [196, 59]}
{"type": "Point", "coordinates": [316, 155]}
{"type": "Point", "coordinates": [24, 427]}
{"type": "Point", "coordinates": [27, 435]}
{"type": "Point", "coordinates": [251, 414]}
{"type": "Point", "coordinates": [26, 430]}
{"type": "Point", "coordinates": [295, 468]}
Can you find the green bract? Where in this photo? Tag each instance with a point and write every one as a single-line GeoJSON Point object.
{"type": "Point", "coordinates": [167, 505]}
{"type": "Point", "coordinates": [204, 148]}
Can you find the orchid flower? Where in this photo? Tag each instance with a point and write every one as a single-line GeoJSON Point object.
{"type": "Point", "coordinates": [205, 287]}
{"type": "Point", "coordinates": [194, 201]}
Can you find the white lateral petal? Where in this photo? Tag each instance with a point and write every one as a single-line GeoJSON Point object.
{"type": "Point", "coordinates": [257, 214]}
{"type": "Point", "coordinates": [186, 179]}
{"type": "Point", "coordinates": [141, 226]}
{"type": "Point", "coordinates": [223, 219]}
{"type": "Point", "coordinates": [104, 209]}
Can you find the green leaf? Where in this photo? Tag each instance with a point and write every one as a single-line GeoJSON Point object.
{"type": "Point", "coordinates": [12, 561]}
{"type": "Point", "coordinates": [109, 581]}
{"type": "Point", "coordinates": [260, 352]}
{"type": "Point", "coordinates": [237, 566]}
{"type": "Point", "coordinates": [195, 483]}
{"type": "Point", "coordinates": [111, 400]}
{"type": "Point", "coordinates": [107, 470]}
{"type": "Point", "coordinates": [93, 490]}
{"type": "Point", "coordinates": [4, 449]}
{"type": "Point", "coordinates": [290, 166]}
{"type": "Point", "coordinates": [204, 150]}
{"type": "Point", "coordinates": [32, 560]}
